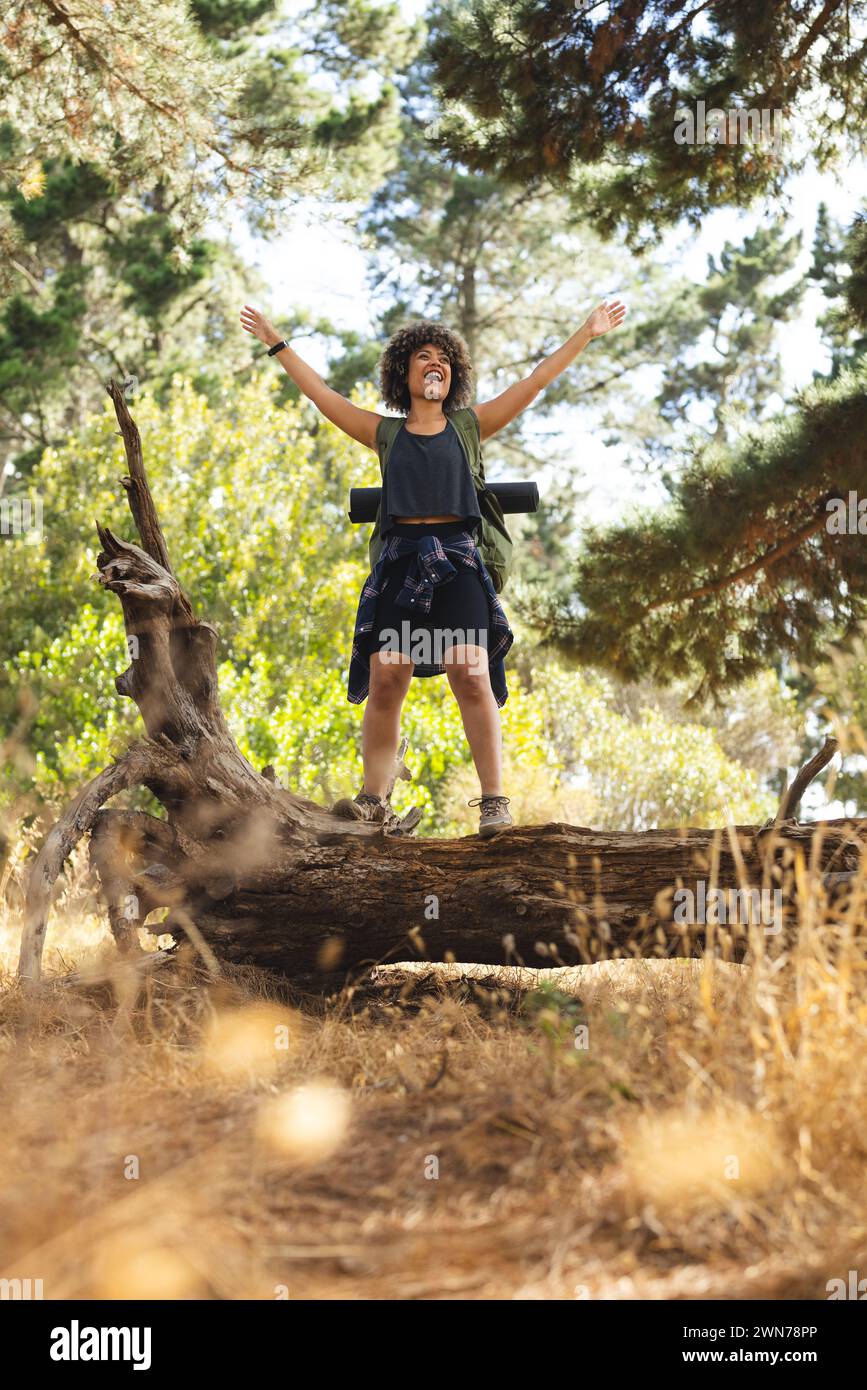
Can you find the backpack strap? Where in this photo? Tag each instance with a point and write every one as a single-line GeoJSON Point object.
{"type": "Point", "coordinates": [466, 422]}
{"type": "Point", "coordinates": [495, 542]}
{"type": "Point", "coordinates": [386, 433]}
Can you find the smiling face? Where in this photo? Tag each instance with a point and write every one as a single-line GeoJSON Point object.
{"type": "Point", "coordinates": [430, 373]}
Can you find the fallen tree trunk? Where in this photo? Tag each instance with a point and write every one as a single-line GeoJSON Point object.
{"type": "Point", "coordinates": [536, 895]}
{"type": "Point", "coordinates": [255, 874]}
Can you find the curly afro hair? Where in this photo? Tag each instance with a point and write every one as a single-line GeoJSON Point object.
{"type": "Point", "coordinates": [394, 364]}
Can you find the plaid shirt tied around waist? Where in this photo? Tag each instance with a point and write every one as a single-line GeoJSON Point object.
{"type": "Point", "coordinates": [434, 563]}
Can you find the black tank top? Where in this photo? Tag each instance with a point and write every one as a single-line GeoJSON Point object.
{"type": "Point", "coordinates": [428, 475]}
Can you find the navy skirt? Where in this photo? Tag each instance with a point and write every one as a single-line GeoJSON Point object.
{"type": "Point", "coordinates": [459, 610]}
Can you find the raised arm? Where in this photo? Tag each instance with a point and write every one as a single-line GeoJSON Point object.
{"type": "Point", "coordinates": [357, 423]}
{"type": "Point", "coordinates": [495, 414]}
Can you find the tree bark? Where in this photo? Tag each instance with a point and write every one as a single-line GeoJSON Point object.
{"type": "Point", "coordinates": [255, 874]}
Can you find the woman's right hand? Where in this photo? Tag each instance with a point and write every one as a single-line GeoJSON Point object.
{"type": "Point", "coordinates": [346, 415]}
{"type": "Point", "coordinates": [259, 326]}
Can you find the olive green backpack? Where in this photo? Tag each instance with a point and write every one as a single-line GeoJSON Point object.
{"type": "Point", "coordinates": [495, 543]}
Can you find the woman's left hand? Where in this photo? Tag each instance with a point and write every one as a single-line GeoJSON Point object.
{"type": "Point", "coordinates": [605, 317]}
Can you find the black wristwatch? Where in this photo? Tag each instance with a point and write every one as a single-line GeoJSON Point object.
{"type": "Point", "coordinates": [278, 347]}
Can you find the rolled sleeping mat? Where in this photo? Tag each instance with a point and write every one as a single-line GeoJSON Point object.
{"type": "Point", "coordinates": [516, 497]}
{"type": "Point", "coordinates": [512, 497]}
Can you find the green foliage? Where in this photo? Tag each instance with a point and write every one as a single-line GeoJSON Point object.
{"type": "Point", "coordinates": [224, 18]}
{"type": "Point", "coordinates": [838, 688]}
{"type": "Point", "coordinates": [480, 217]}
{"type": "Point", "coordinates": [556, 1011]}
{"type": "Point", "coordinates": [513, 271]}
{"type": "Point", "coordinates": [741, 567]}
{"type": "Point", "coordinates": [144, 257]}
{"type": "Point", "coordinates": [125, 144]}
{"type": "Point", "coordinates": [732, 324]}
{"type": "Point", "coordinates": [70, 191]}
{"type": "Point", "coordinates": [644, 773]}
{"type": "Point", "coordinates": [840, 268]}
{"type": "Point", "coordinates": [252, 498]}
{"type": "Point", "coordinates": [157, 94]}
{"type": "Point", "coordinates": [758, 724]}
{"type": "Point", "coordinates": [555, 1016]}
{"type": "Point", "coordinates": [586, 97]}
{"type": "Point", "coordinates": [80, 724]}
{"type": "Point", "coordinates": [37, 337]}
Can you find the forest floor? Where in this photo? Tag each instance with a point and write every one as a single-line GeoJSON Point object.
{"type": "Point", "coordinates": [638, 1129]}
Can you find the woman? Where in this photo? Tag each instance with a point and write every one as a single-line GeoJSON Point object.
{"type": "Point", "coordinates": [428, 525]}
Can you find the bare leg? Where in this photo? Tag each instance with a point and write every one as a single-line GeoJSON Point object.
{"type": "Point", "coordinates": [380, 736]}
{"type": "Point", "coordinates": [467, 672]}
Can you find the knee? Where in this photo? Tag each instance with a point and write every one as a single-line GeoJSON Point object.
{"type": "Point", "coordinates": [389, 680]}
{"type": "Point", "coordinates": [470, 680]}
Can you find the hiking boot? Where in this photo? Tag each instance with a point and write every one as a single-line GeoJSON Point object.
{"type": "Point", "coordinates": [365, 806]}
{"type": "Point", "coordinates": [493, 815]}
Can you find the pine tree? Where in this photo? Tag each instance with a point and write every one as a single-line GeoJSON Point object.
{"type": "Point", "coordinates": [588, 97]}
{"type": "Point", "coordinates": [840, 273]}
{"type": "Point", "coordinates": [123, 129]}
{"type": "Point", "coordinates": [760, 554]}
{"type": "Point", "coordinates": [726, 369]}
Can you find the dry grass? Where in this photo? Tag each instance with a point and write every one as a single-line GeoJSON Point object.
{"type": "Point", "coordinates": [708, 1141]}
